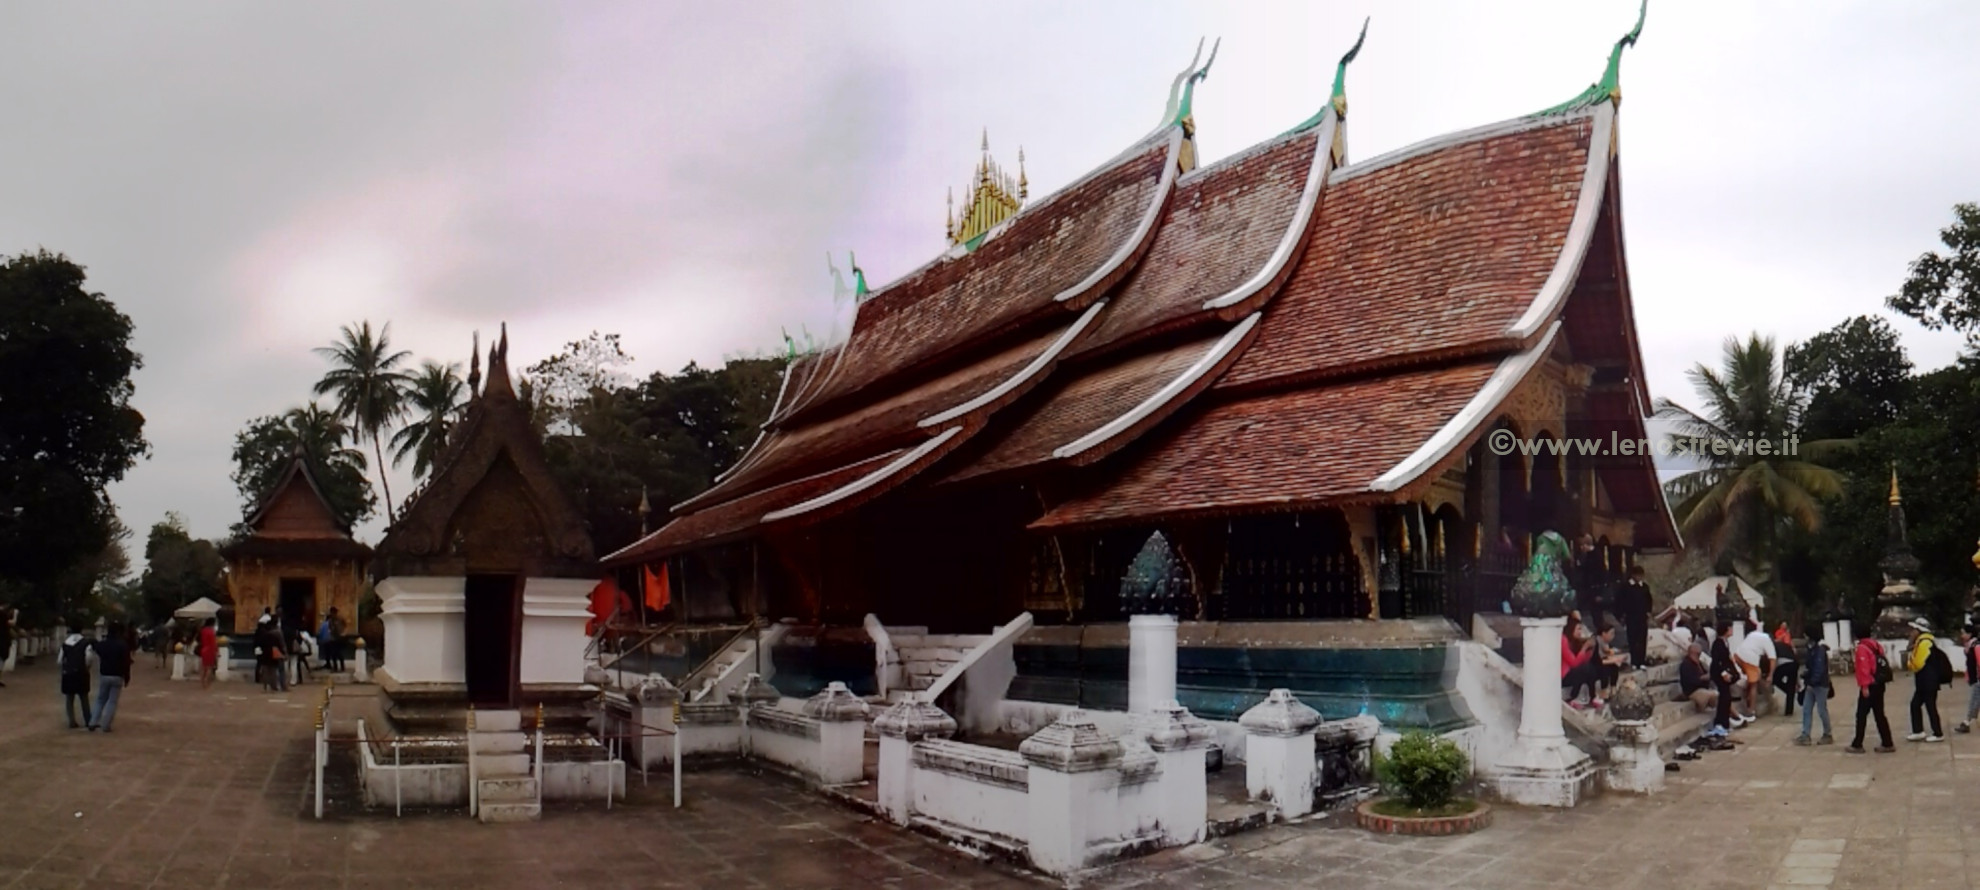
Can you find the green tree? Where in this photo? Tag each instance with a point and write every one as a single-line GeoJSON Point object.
{"type": "Point", "coordinates": [1740, 502]}
{"type": "Point", "coordinates": [67, 428]}
{"type": "Point", "coordinates": [1943, 290]}
{"type": "Point", "coordinates": [178, 570]}
{"type": "Point", "coordinates": [263, 449]}
{"type": "Point", "coordinates": [364, 375]}
{"type": "Point", "coordinates": [1853, 376]}
{"type": "Point", "coordinates": [435, 396]}
{"type": "Point", "coordinates": [561, 384]}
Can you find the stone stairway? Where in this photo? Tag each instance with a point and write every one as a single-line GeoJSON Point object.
{"type": "Point", "coordinates": [506, 790]}
{"type": "Point", "coordinates": [926, 657]}
{"type": "Point", "coordinates": [1677, 722]}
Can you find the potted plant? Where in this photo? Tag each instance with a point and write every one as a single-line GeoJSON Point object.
{"type": "Point", "coordinates": [1420, 777]}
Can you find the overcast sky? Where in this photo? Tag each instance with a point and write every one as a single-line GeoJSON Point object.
{"type": "Point", "coordinates": [243, 178]}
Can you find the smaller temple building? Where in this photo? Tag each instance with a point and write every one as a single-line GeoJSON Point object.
{"type": "Point", "coordinates": [298, 556]}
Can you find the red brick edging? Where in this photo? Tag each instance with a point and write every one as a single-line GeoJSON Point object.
{"type": "Point", "coordinates": [1434, 826]}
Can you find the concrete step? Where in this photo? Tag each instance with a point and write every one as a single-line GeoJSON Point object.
{"type": "Point", "coordinates": [509, 790]}
{"type": "Point", "coordinates": [511, 812]}
{"type": "Point", "coordinates": [510, 742]}
{"type": "Point", "coordinates": [497, 721]}
{"type": "Point", "coordinates": [493, 766]}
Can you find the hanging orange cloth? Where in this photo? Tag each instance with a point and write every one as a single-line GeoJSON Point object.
{"type": "Point", "coordinates": [604, 598]}
{"type": "Point", "coordinates": [658, 592]}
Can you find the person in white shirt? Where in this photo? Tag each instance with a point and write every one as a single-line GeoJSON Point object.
{"type": "Point", "coordinates": [1755, 654]}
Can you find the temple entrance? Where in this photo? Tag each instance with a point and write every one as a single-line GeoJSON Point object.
{"type": "Point", "coordinates": [490, 625]}
{"type": "Point", "coordinates": [296, 597]}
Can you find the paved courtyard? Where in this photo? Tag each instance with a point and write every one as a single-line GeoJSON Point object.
{"type": "Point", "coordinates": [210, 790]}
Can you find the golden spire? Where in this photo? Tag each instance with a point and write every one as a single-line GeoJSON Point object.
{"type": "Point", "coordinates": [994, 197]}
{"type": "Point", "coordinates": [1896, 499]}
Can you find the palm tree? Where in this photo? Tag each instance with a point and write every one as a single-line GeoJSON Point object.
{"type": "Point", "coordinates": [370, 388]}
{"type": "Point", "coordinates": [320, 436]}
{"type": "Point", "coordinates": [1740, 501]}
{"type": "Point", "coordinates": [435, 397]}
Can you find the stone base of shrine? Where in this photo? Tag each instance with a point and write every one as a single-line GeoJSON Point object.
{"type": "Point", "coordinates": [1561, 775]}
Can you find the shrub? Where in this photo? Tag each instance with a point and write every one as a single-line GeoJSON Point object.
{"type": "Point", "coordinates": [1424, 769]}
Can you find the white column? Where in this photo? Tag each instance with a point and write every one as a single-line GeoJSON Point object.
{"type": "Point", "coordinates": [1179, 743]}
{"type": "Point", "coordinates": [841, 720]}
{"type": "Point", "coordinates": [1151, 662]}
{"type": "Point", "coordinates": [1540, 711]}
{"type": "Point", "coordinates": [178, 661]}
{"type": "Point", "coordinates": [361, 663]}
{"type": "Point", "coordinates": [909, 721]}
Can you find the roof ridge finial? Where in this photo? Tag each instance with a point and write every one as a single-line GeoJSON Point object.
{"type": "Point", "coordinates": [1183, 110]}
{"type": "Point", "coordinates": [1337, 100]}
{"type": "Point", "coordinates": [1609, 88]}
{"type": "Point", "coordinates": [859, 277]}
{"type": "Point", "coordinates": [1175, 86]}
{"type": "Point", "coordinates": [474, 366]}
{"type": "Point", "coordinates": [1024, 184]}
{"type": "Point", "coordinates": [1896, 498]}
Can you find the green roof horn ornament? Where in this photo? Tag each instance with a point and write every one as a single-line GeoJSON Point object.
{"type": "Point", "coordinates": [1338, 100]}
{"type": "Point", "coordinates": [1179, 111]}
{"type": "Point", "coordinates": [1609, 89]}
{"type": "Point", "coordinates": [859, 278]}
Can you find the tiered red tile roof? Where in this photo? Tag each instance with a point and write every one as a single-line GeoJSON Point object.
{"type": "Point", "coordinates": [1284, 335]}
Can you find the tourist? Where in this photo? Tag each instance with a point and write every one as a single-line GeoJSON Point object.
{"type": "Point", "coordinates": [1930, 669]}
{"type": "Point", "coordinates": [6, 638]}
{"type": "Point", "coordinates": [209, 652]}
{"type": "Point", "coordinates": [1873, 674]}
{"type": "Point", "coordinates": [1694, 681]}
{"type": "Point", "coordinates": [1969, 642]}
{"type": "Point", "coordinates": [1633, 606]}
{"type": "Point", "coordinates": [1608, 663]}
{"type": "Point", "coordinates": [73, 662]}
{"type": "Point", "coordinates": [1724, 675]}
{"type": "Point", "coordinates": [1815, 689]}
{"type": "Point", "coordinates": [302, 645]}
{"type": "Point", "coordinates": [1755, 654]}
{"type": "Point", "coordinates": [1784, 676]}
{"type": "Point", "coordinates": [1577, 670]}
{"type": "Point", "coordinates": [113, 656]}
{"type": "Point", "coordinates": [326, 641]}
{"type": "Point", "coordinates": [267, 649]}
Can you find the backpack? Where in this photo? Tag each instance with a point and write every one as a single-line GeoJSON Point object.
{"type": "Point", "coordinates": [1883, 672]}
{"type": "Point", "coordinates": [1939, 666]}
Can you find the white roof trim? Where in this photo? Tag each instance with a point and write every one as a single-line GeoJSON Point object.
{"type": "Point", "coordinates": [1588, 207]}
{"type": "Point", "coordinates": [1164, 395]}
{"type": "Point", "coordinates": [1156, 203]}
{"type": "Point", "coordinates": [1467, 420]}
{"type": "Point", "coordinates": [1316, 179]}
{"type": "Point", "coordinates": [1501, 128]}
{"type": "Point", "coordinates": [761, 430]}
{"type": "Point", "coordinates": [867, 481]}
{"type": "Point", "coordinates": [1026, 373]}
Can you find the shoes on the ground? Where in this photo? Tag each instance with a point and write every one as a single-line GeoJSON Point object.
{"type": "Point", "coordinates": [1935, 738]}
{"type": "Point", "coordinates": [1853, 749]}
{"type": "Point", "coordinates": [1802, 741]}
{"type": "Point", "coordinates": [1826, 739]}
{"type": "Point", "coordinates": [93, 727]}
{"type": "Point", "coordinates": [74, 725]}
{"type": "Point", "coordinates": [1915, 737]}
{"type": "Point", "coordinates": [1886, 749]}
{"type": "Point", "coordinates": [1963, 728]}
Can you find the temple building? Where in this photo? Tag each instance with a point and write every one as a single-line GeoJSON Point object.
{"type": "Point", "coordinates": [484, 577]}
{"type": "Point", "coordinates": [298, 556]}
{"type": "Point", "coordinates": [1294, 364]}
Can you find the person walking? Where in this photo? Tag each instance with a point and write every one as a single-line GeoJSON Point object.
{"type": "Point", "coordinates": [113, 655]}
{"type": "Point", "coordinates": [1815, 689]}
{"type": "Point", "coordinates": [6, 639]}
{"type": "Point", "coordinates": [267, 652]}
{"type": "Point", "coordinates": [209, 652]}
{"type": "Point", "coordinates": [1969, 642]}
{"type": "Point", "coordinates": [302, 645]}
{"type": "Point", "coordinates": [1633, 606]}
{"type": "Point", "coordinates": [1873, 673]}
{"type": "Point", "coordinates": [72, 661]}
{"type": "Point", "coordinates": [1930, 669]}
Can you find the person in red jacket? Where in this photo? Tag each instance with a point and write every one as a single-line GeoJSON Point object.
{"type": "Point", "coordinates": [1872, 675]}
{"type": "Point", "coordinates": [1577, 671]}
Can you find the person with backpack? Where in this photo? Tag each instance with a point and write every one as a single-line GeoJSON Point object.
{"type": "Point", "coordinates": [1930, 669]}
{"type": "Point", "coordinates": [113, 654]}
{"type": "Point", "coordinates": [1815, 689]}
{"type": "Point", "coordinates": [73, 660]}
{"type": "Point", "coordinates": [1873, 674]}
{"type": "Point", "coordinates": [1969, 642]}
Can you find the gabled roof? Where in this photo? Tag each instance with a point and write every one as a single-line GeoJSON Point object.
{"type": "Point", "coordinates": [297, 473]}
{"type": "Point", "coordinates": [320, 532]}
{"type": "Point", "coordinates": [492, 479]}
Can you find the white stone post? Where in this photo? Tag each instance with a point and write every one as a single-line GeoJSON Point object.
{"type": "Point", "coordinates": [1179, 742]}
{"type": "Point", "coordinates": [653, 704]}
{"type": "Point", "coordinates": [1074, 777]}
{"type": "Point", "coordinates": [221, 670]}
{"type": "Point", "coordinates": [361, 664]}
{"type": "Point", "coordinates": [1279, 761]}
{"type": "Point", "coordinates": [178, 661]}
{"type": "Point", "coordinates": [841, 718]}
{"type": "Point", "coordinates": [1151, 662]}
{"type": "Point", "coordinates": [1541, 768]}
{"type": "Point", "coordinates": [909, 721]}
